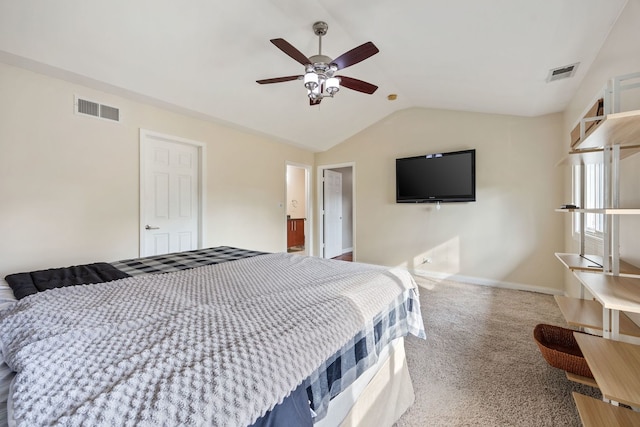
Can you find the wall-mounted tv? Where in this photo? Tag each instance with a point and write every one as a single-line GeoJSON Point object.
{"type": "Point", "coordinates": [434, 178]}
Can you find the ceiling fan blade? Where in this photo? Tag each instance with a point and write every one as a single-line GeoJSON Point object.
{"type": "Point", "coordinates": [356, 55]}
{"type": "Point", "coordinates": [278, 80]}
{"type": "Point", "coordinates": [358, 85]}
{"type": "Point", "coordinates": [287, 48]}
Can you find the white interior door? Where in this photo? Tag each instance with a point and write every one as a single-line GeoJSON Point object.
{"type": "Point", "coordinates": [170, 196]}
{"type": "Point", "coordinates": [332, 190]}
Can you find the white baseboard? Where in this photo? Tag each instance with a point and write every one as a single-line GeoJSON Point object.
{"type": "Point", "coordinates": [487, 282]}
{"type": "Point", "coordinates": [347, 250]}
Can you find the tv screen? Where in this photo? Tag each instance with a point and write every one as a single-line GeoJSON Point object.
{"type": "Point", "coordinates": [441, 177]}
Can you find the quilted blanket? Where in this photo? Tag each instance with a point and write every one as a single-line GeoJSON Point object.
{"type": "Point", "coordinates": [214, 345]}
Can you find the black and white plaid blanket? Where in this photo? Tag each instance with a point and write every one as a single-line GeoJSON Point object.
{"type": "Point", "coordinates": [182, 260]}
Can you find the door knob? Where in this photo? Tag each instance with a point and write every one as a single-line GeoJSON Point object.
{"type": "Point", "coordinates": [148, 227]}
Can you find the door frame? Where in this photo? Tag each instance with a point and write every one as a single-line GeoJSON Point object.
{"type": "Point", "coordinates": [146, 140]}
{"type": "Point", "coordinates": [320, 204]}
{"type": "Point", "coordinates": [308, 224]}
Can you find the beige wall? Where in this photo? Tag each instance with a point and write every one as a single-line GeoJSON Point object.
{"type": "Point", "coordinates": [507, 237]}
{"type": "Point", "coordinates": [69, 184]}
{"type": "Point", "coordinates": [620, 54]}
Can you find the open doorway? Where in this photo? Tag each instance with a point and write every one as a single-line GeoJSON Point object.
{"type": "Point", "coordinates": [298, 209]}
{"type": "Point", "coordinates": [336, 201]}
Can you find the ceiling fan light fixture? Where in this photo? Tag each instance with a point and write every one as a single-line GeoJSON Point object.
{"type": "Point", "coordinates": [315, 93]}
{"type": "Point", "coordinates": [333, 85]}
{"type": "Point", "coordinates": [310, 80]}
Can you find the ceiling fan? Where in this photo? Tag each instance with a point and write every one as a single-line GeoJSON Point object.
{"type": "Point", "coordinates": [320, 78]}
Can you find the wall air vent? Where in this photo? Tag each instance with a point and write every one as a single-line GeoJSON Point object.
{"type": "Point", "coordinates": [91, 108]}
{"type": "Point", "coordinates": [562, 72]}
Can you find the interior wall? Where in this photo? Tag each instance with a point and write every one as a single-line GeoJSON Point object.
{"type": "Point", "coordinates": [69, 184]}
{"type": "Point", "coordinates": [619, 55]}
{"type": "Point", "coordinates": [508, 236]}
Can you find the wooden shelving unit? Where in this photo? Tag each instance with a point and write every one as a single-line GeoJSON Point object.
{"type": "Point", "coordinates": [613, 283]}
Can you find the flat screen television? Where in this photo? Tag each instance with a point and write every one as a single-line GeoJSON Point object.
{"type": "Point", "coordinates": [441, 177]}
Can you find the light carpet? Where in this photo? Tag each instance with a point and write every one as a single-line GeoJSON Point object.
{"type": "Point", "coordinates": [480, 366]}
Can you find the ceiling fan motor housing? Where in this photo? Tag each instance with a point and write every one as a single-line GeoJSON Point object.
{"type": "Point", "coordinates": [322, 63]}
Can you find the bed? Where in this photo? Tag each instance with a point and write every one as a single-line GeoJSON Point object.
{"type": "Point", "coordinates": [218, 336]}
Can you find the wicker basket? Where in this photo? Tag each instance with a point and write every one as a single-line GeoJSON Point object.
{"type": "Point", "coordinates": [560, 349]}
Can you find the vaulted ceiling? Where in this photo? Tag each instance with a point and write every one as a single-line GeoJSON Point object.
{"type": "Point", "coordinates": [204, 56]}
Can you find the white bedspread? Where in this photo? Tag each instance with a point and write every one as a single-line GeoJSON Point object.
{"type": "Point", "coordinates": [215, 345]}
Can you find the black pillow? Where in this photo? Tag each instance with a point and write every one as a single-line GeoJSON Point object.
{"type": "Point", "coordinates": [24, 284]}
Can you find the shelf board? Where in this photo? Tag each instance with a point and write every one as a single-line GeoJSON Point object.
{"type": "Point", "coordinates": [615, 129]}
{"type": "Point", "coordinates": [580, 262]}
{"type": "Point", "coordinates": [581, 380]}
{"type": "Point", "coordinates": [593, 263]}
{"type": "Point", "coordinates": [606, 211]}
{"type": "Point", "coordinates": [613, 292]}
{"type": "Point", "coordinates": [615, 367]}
{"type": "Point", "coordinates": [594, 155]}
{"type": "Point", "coordinates": [629, 269]}
{"type": "Point", "coordinates": [584, 313]}
{"type": "Point", "coordinates": [597, 413]}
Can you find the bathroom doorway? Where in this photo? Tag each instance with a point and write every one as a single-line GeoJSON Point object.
{"type": "Point", "coordinates": [298, 209]}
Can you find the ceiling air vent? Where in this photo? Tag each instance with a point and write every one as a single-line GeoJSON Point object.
{"type": "Point", "coordinates": [95, 109]}
{"type": "Point", "coordinates": [562, 72]}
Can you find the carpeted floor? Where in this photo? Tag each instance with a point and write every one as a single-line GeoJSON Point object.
{"type": "Point", "coordinates": [479, 365]}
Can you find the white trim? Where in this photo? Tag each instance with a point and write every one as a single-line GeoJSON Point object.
{"type": "Point", "coordinates": [320, 205]}
{"type": "Point", "coordinates": [487, 282]}
{"type": "Point", "coordinates": [308, 231]}
{"type": "Point", "coordinates": [145, 137]}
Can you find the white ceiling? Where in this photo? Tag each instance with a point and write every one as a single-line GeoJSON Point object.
{"type": "Point", "coordinates": [204, 56]}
